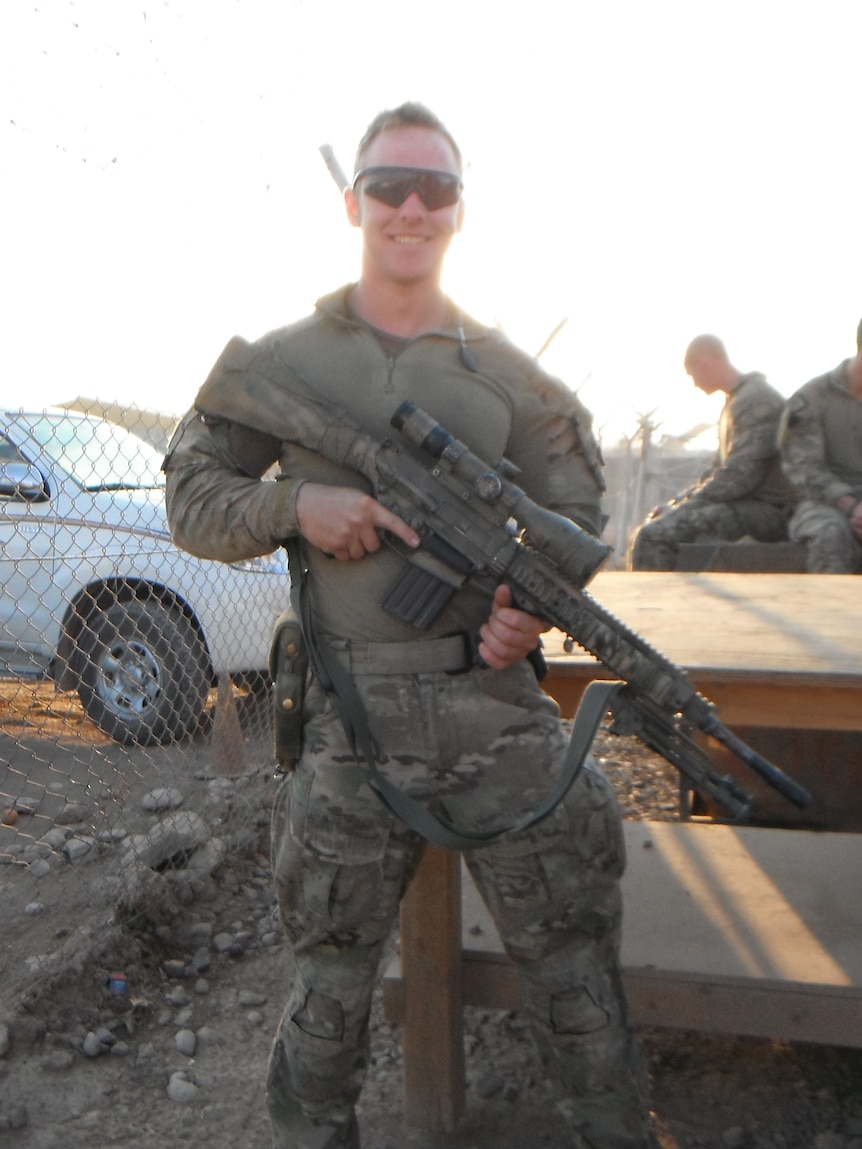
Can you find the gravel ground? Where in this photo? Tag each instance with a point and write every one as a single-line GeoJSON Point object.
{"type": "Point", "coordinates": [711, 1092]}
{"type": "Point", "coordinates": [179, 1058]}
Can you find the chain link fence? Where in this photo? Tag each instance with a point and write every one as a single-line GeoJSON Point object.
{"type": "Point", "coordinates": [135, 699]}
{"type": "Point", "coordinates": [136, 748]}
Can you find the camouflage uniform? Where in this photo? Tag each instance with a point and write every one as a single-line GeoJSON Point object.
{"type": "Point", "coordinates": [821, 447]}
{"type": "Point", "coordinates": [479, 746]}
{"type": "Point", "coordinates": [743, 493]}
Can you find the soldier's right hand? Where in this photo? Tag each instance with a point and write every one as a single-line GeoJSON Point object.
{"type": "Point", "coordinates": [345, 523]}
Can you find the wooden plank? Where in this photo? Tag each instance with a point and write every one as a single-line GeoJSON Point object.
{"type": "Point", "coordinates": [783, 628]}
{"type": "Point", "coordinates": [433, 1038]}
{"type": "Point", "coordinates": [488, 982]}
{"type": "Point", "coordinates": [750, 556]}
{"type": "Point", "coordinates": [726, 930]}
{"type": "Point", "coordinates": [816, 705]}
{"type": "Point", "coordinates": [822, 1015]}
{"type": "Point", "coordinates": [813, 706]}
{"type": "Point", "coordinates": [781, 651]}
{"type": "Point", "coordinates": [771, 906]}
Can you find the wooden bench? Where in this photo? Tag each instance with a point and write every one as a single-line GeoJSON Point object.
{"type": "Point", "coordinates": [741, 930]}
{"type": "Point", "coordinates": [726, 930]}
{"type": "Point", "coordinates": [779, 654]}
{"type": "Point", "coordinates": [745, 556]}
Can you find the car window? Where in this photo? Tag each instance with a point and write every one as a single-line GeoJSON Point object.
{"type": "Point", "coordinates": [98, 455]}
{"type": "Point", "coordinates": [9, 453]}
{"type": "Point", "coordinates": [20, 481]}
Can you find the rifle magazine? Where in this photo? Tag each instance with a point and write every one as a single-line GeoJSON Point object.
{"type": "Point", "coordinates": [417, 597]}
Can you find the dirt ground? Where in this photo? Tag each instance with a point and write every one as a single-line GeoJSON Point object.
{"type": "Point", "coordinates": [174, 1053]}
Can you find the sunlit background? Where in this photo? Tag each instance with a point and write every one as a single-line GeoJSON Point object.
{"type": "Point", "coordinates": [641, 171]}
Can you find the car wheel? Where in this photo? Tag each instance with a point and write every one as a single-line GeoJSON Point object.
{"type": "Point", "coordinates": [144, 678]}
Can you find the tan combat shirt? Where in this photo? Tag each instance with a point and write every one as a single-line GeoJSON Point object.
{"type": "Point", "coordinates": [470, 378]}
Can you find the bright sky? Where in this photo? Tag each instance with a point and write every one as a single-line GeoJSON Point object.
{"type": "Point", "coordinates": [645, 171]}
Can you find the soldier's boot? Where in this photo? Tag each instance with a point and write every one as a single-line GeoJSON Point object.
{"type": "Point", "coordinates": [302, 1133]}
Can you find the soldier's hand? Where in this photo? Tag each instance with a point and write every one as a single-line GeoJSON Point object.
{"type": "Point", "coordinates": [856, 521]}
{"type": "Point", "coordinates": [344, 522]}
{"type": "Point", "coordinates": [509, 634]}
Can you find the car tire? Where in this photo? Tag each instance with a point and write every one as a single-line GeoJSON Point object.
{"type": "Point", "coordinates": [145, 676]}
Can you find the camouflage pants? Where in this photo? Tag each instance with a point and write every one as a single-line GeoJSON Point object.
{"type": "Point", "coordinates": [483, 747]}
{"type": "Point", "coordinates": [831, 546]}
{"type": "Point", "coordinates": [655, 547]}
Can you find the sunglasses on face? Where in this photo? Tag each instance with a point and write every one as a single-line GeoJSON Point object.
{"type": "Point", "coordinates": [392, 186]}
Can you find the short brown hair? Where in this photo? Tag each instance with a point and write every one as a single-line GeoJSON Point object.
{"type": "Point", "coordinates": [406, 115]}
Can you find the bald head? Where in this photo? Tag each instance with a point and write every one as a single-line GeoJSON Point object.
{"type": "Point", "coordinates": [705, 347]}
{"type": "Point", "coordinates": [707, 363]}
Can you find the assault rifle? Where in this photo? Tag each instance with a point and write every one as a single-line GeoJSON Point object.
{"type": "Point", "coordinates": [476, 524]}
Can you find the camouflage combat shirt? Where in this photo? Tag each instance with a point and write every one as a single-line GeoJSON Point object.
{"type": "Point", "coordinates": [748, 464]}
{"type": "Point", "coordinates": [821, 439]}
{"type": "Point", "coordinates": [469, 377]}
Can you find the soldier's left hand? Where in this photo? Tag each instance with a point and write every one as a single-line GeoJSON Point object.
{"type": "Point", "coordinates": [509, 634]}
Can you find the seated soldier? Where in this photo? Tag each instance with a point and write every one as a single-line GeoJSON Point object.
{"type": "Point", "coordinates": [744, 493]}
{"type": "Point", "coordinates": [821, 448]}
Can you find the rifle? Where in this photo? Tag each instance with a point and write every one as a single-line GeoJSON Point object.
{"type": "Point", "coordinates": [476, 524]}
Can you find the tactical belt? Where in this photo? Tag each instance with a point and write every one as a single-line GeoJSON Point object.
{"type": "Point", "coordinates": [428, 656]}
{"type": "Point", "coordinates": [435, 827]}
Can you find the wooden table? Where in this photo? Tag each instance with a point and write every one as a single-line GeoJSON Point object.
{"type": "Point", "coordinates": [781, 656]}
{"type": "Point", "coordinates": [769, 649]}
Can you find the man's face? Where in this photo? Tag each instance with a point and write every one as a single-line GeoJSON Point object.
{"type": "Point", "coordinates": [405, 244]}
{"type": "Point", "coordinates": [704, 374]}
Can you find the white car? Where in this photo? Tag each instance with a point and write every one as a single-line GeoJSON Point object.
{"type": "Point", "coordinates": [96, 596]}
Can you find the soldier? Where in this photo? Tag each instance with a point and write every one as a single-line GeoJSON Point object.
{"type": "Point", "coordinates": [456, 712]}
{"type": "Point", "coordinates": [744, 492]}
{"type": "Point", "coordinates": [821, 449]}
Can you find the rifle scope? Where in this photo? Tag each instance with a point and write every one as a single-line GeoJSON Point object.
{"type": "Point", "coordinates": [576, 552]}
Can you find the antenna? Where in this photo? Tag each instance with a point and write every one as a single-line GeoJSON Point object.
{"type": "Point", "coordinates": [551, 337]}
{"type": "Point", "coordinates": [335, 168]}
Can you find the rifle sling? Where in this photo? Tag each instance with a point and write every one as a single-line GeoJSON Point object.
{"type": "Point", "coordinates": [338, 681]}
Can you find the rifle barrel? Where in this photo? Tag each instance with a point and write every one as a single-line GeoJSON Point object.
{"type": "Point", "coordinates": [776, 778]}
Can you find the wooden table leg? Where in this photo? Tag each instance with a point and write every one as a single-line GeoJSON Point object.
{"type": "Point", "coordinates": [433, 1031]}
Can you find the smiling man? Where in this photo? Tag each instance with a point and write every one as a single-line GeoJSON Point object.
{"type": "Point", "coordinates": [405, 237]}
{"type": "Point", "coordinates": [455, 714]}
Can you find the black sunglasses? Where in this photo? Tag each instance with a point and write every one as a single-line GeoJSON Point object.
{"type": "Point", "coordinates": [392, 185]}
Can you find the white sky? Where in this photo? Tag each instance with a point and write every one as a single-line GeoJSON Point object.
{"type": "Point", "coordinates": [645, 170]}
